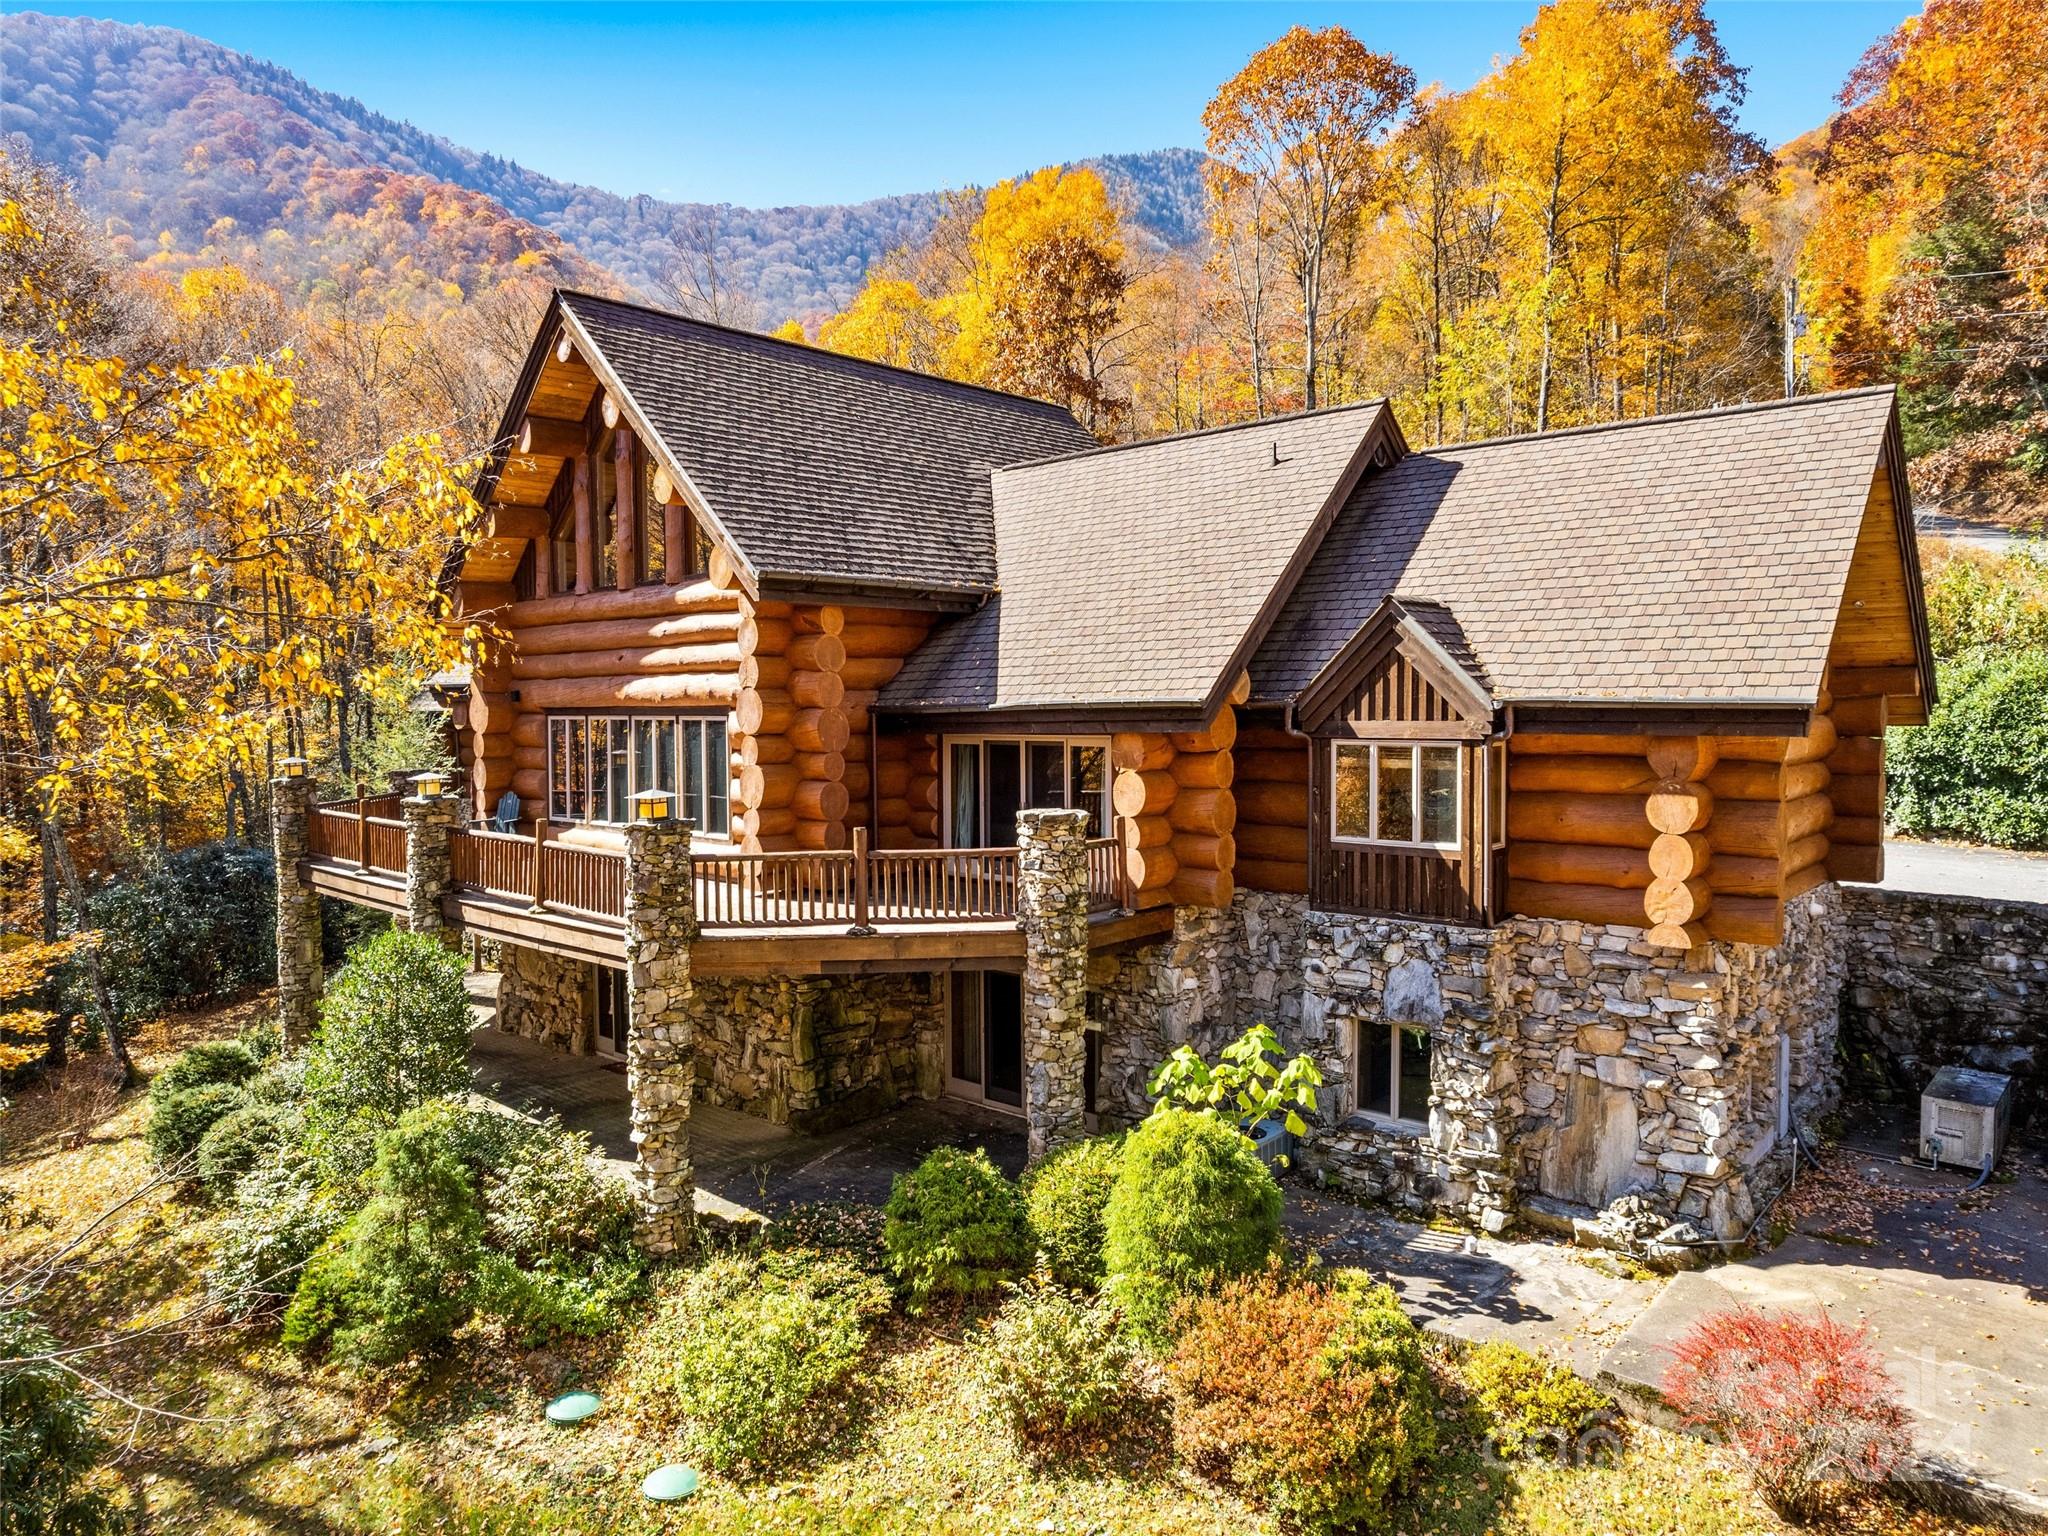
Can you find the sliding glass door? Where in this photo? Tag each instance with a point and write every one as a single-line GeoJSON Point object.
{"type": "Point", "coordinates": [989, 779]}
{"type": "Point", "coordinates": [985, 1037]}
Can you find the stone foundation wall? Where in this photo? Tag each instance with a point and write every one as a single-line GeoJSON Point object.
{"type": "Point", "coordinates": [1147, 1001]}
{"type": "Point", "coordinates": [818, 1051]}
{"type": "Point", "coordinates": [546, 998]}
{"type": "Point", "coordinates": [1940, 981]}
{"type": "Point", "coordinates": [1571, 1064]}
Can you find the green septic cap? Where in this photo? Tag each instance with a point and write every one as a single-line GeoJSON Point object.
{"type": "Point", "coordinates": [671, 1482]}
{"type": "Point", "coordinates": [572, 1408]}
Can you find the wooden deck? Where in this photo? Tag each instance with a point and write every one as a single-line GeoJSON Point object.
{"type": "Point", "coordinates": [785, 913]}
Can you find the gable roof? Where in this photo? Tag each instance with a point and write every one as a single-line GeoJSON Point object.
{"type": "Point", "coordinates": [817, 468]}
{"type": "Point", "coordinates": [1696, 559]}
{"type": "Point", "coordinates": [1141, 576]}
{"type": "Point", "coordinates": [1427, 634]}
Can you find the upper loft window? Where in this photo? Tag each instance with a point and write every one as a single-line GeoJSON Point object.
{"type": "Point", "coordinates": [561, 537]}
{"type": "Point", "coordinates": [1395, 794]}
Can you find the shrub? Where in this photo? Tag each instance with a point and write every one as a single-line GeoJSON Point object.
{"type": "Point", "coordinates": [1526, 1400]}
{"type": "Point", "coordinates": [179, 1121]}
{"type": "Point", "coordinates": [1980, 600]}
{"type": "Point", "coordinates": [746, 1350]}
{"type": "Point", "coordinates": [394, 1033]}
{"type": "Point", "coordinates": [240, 1139]}
{"type": "Point", "coordinates": [1979, 768]}
{"type": "Point", "coordinates": [211, 1061]}
{"type": "Point", "coordinates": [1053, 1363]}
{"type": "Point", "coordinates": [280, 1215]}
{"type": "Point", "coordinates": [47, 1441]}
{"type": "Point", "coordinates": [585, 1298]}
{"type": "Point", "coordinates": [1246, 1085]}
{"type": "Point", "coordinates": [954, 1226]}
{"type": "Point", "coordinates": [1310, 1398]}
{"type": "Point", "coordinates": [400, 1277]}
{"type": "Point", "coordinates": [1804, 1399]}
{"type": "Point", "coordinates": [1065, 1198]}
{"type": "Point", "coordinates": [192, 929]}
{"type": "Point", "coordinates": [346, 928]}
{"type": "Point", "coordinates": [546, 1201]}
{"type": "Point", "coordinates": [1192, 1206]}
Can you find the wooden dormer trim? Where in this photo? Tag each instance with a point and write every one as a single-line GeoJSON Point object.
{"type": "Point", "coordinates": [1394, 628]}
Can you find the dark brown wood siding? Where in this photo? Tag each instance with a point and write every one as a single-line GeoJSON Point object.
{"type": "Point", "coordinates": [1442, 884]}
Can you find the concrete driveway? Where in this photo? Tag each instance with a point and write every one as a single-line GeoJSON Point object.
{"type": "Point", "coordinates": [1953, 1286]}
{"type": "Point", "coordinates": [1956, 869]}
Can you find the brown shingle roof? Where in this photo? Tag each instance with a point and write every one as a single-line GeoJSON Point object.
{"type": "Point", "coordinates": [823, 467]}
{"type": "Point", "coordinates": [1130, 576]}
{"type": "Point", "coordinates": [1695, 558]}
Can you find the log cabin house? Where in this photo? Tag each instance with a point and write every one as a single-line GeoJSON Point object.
{"type": "Point", "coordinates": [1510, 778]}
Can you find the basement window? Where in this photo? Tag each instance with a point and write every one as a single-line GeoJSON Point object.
{"type": "Point", "coordinates": [1394, 794]}
{"type": "Point", "coordinates": [1391, 1073]}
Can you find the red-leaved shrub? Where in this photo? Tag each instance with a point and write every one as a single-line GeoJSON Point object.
{"type": "Point", "coordinates": [1804, 1398]}
{"type": "Point", "coordinates": [1308, 1397]}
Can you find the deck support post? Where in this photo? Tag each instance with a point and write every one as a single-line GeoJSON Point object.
{"type": "Point", "coordinates": [1052, 909]}
{"type": "Point", "coordinates": [429, 859]}
{"type": "Point", "coordinates": [299, 977]}
{"type": "Point", "coordinates": [661, 1037]}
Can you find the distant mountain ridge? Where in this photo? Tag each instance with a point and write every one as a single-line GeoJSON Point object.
{"type": "Point", "coordinates": [168, 133]}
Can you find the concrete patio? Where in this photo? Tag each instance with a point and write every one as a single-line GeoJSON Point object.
{"type": "Point", "coordinates": [744, 1165]}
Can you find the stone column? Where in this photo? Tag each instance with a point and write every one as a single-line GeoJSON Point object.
{"type": "Point", "coordinates": [1052, 909]}
{"type": "Point", "coordinates": [299, 978]}
{"type": "Point", "coordinates": [661, 1040]}
{"type": "Point", "coordinates": [429, 859]}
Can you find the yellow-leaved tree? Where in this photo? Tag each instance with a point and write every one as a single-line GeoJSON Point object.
{"type": "Point", "coordinates": [178, 556]}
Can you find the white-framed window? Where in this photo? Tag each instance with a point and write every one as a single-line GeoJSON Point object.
{"type": "Point", "coordinates": [598, 763]}
{"type": "Point", "coordinates": [1401, 794]}
{"type": "Point", "coordinates": [989, 779]}
{"type": "Point", "coordinates": [1390, 1072]}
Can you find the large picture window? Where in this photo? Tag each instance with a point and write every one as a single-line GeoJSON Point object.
{"type": "Point", "coordinates": [598, 763]}
{"type": "Point", "coordinates": [990, 780]}
{"type": "Point", "coordinates": [1403, 794]}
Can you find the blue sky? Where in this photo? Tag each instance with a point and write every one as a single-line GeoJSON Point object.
{"type": "Point", "coordinates": [780, 103]}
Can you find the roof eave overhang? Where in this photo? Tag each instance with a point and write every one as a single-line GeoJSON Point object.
{"type": "Point", "coordinates": [1054, 714]}
{"type": "Point", "coordinates": [1662, 716]}
{"type": "Point", "coordinates": [799, 586]}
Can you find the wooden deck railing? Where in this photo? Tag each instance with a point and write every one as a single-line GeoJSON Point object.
{"type": "Point", "coordinates": [856, 888]}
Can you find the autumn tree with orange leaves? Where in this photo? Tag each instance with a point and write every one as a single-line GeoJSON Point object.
{"type": "Point", "coordinates": [1928, 260]}
{"type": "Point", "coordinates": [1295, 137]}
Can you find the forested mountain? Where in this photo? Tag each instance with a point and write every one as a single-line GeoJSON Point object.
{"type": "Point", "coordinates": [169, 135]}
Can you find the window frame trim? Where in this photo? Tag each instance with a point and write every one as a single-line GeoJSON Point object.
{"type": "Point", "coordinates": [1391, 1119]}
{"type": "Point", "coordinates": [1415, 748]}
{"type": "Point", "coordinates": [632, 717]}
{"type": "Point", "coordinates": [980, 739]}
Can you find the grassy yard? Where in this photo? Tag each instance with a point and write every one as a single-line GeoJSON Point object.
{"type": "Point", "coordinates": [261, 1442]}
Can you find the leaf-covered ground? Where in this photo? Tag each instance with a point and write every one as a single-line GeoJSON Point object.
{"type": "Point", "coordinates": [243, 1438]}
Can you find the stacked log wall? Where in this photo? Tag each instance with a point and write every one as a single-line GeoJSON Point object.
{"type": "Point", "coordinates": [1690, 837]}
{"type": "Point", "coordinates": [658, 648]}
{"type": "Point", "coordinates": [1174, 793]}
{"type": "Point", "coordinates": [1860, 713]}
{"type": "Point", "coordinates": [1272, 808]}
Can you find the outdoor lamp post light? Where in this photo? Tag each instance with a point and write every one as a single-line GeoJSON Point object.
{"type": "Point", "coordinates": [651, 805]}
{"type": "Point", "coordinates": [428, 785]}
{"type": "Point", "coordinates": [292, 767]}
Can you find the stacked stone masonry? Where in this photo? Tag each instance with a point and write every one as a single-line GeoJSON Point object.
{"type": "Point", "coordinates": [818, 1051]}
{"type": "Point", "coordinates": [1571, 1064]}
{"type": "Point", "coordinates": [1946, 981]}
{"type": "Point", "coordinates": [661, 1043]}
{"type": "Point", "coordinates": [1052, 909]}
{"type": "Point", "coordinates": [546, 998]}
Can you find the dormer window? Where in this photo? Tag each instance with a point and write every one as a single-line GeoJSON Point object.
{"type": "Point", "coordinates": [1398, 794]}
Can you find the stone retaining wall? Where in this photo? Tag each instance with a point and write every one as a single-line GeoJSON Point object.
{"type": "Point", "coordinates": [1940, 981]}
{"type": "Point", "coordinates": [818, 1051]}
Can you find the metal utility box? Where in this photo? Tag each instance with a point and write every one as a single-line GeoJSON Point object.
{"type": "Point", "coordinates": [1964, 1115]}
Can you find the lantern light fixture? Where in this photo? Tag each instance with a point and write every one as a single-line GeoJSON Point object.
{"type": "Point", "coordinates": [651, 805]}
{"type": "Point", "coordinates": [428, 785]}
{"type": "Point", "coordinates": [292, 767]}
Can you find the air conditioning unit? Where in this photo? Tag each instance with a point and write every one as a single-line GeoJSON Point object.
{"type": "Point", "coordinates": [1964, 1115]}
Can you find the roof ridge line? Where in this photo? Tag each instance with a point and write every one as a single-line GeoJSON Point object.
{"type": "Point", "coordinates": [813, 350]}
{"type": "Point", "coordinates": [1705, 413]}
{"type": "Point", "coordinates": [1194, 432]}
